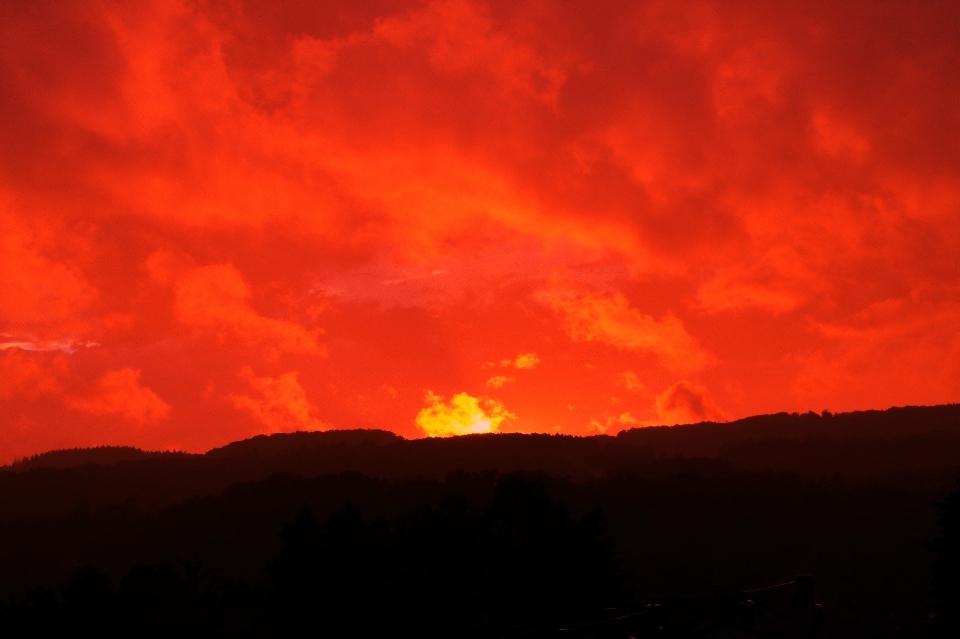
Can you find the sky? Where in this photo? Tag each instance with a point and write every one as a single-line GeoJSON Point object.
{"type": "Point", "coordinates": [222, 218]}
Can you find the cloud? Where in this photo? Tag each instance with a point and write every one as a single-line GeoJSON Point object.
{"type": "Point", "coordinates": [613, 423]}
{"type": "Point", "coordinates": [119, 392]}
{"type": "Point", "coordinates": [778, 282]}
{"type": "Point", "coordinates": [526, 361]}
{"type": "Point", "coordinates": [631, 382]}
{"type": "Point", "coordinates": [727, 292]}
{"type": "Point", "coordinates": [390, 391]}
{"type": "Point", "coordinates": [43, 346]}
{"type": "Point", "coordinates": [498, 381]}
{"type": "Point", "coordinates": [217, 298]}
{"type": "Point", "coordinates": [282, 405]}
{"type": "Point", "coordinates": [38, 293]}
{"type": "Point", "coordinates": [716, 185]}
{"type": "Point", "coordinates": [686, 403]}
{"type": "Point", "coordinates": [462, 415]}
{"type": "Point", "coordinates": [611, 320]}
{"type": "Point", "coordinates": [523, 361]}
{"type": "Point", "coordinates": [29, 375]}
{"type": "Point", "coordinates": [896, 352]}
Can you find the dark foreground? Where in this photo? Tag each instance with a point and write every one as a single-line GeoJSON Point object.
{"type": "Point", "coordinates": [363, 534]}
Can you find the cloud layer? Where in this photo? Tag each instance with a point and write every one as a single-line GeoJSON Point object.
{"type": "Point", "coordinates": [745, 207]}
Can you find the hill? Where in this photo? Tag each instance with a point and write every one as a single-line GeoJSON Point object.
{"type": "Point", "coordinates": [99, 455]}
{"type": "Point", "coordinates": [682, 511]}
{"type": "Point", "coordinates": [911, 446]}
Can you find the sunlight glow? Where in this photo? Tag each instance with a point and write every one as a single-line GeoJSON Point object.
{"type": "Point", "coordinates": [462, 415]}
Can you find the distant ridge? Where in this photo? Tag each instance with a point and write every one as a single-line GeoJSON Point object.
{"type": "Point", "coordinates": [911, 446]}
{"type": "Point", "coordinates": [914, 443]}
{"type": "Point", "coordinates": [265, 446]}
{"type": "Point", "coordinates": [692, 507]}
{"type": "Point", "coordinates": [283, 443]}
{"type": "Point", "coordinates": [100, 455]}
{"type": "Point", "coordinates": [707, 439]}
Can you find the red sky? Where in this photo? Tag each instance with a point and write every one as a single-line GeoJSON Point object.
{"type": "Point", "coordinates": [223, 218]}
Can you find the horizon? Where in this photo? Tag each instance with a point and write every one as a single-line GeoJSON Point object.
{"type": "Point", "coordinates": [219, 220]}
{"type": "Point", "coordinates": [423, 436]}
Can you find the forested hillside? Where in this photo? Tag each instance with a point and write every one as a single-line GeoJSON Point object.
{"type": "Point", "coordinates": [659, 512]}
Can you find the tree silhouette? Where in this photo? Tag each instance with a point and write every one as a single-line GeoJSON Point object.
{"type": "Point", "coordinates": [945, 575]}
{"type": "Point", "coordinates": [449, 570]}
{"type": "Point", "coordinates": [88, 603]}
{"type": "Point", "coordinates": [549, 566]}
{"type": "Point", "coordinates": [332, 580]}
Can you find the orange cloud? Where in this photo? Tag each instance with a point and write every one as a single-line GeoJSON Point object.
{"type": "Point", "coordinates": [631, 382]}
{"type": "Point", "coordinates": [523, 361]}
{"type": "Point", "coordinates": [46, 345]}
{"type": "Point", "coordinates": [119, 392]}
{"type": "Point", "coordinates": [779, 281]}
{"type": "Point", "coordinates": [283, 405]}
{"type": "Point", "coordinates": [686, 403]}
{"type": "Point", "coordinates": [880, 350]}
{"type": "Point", "coordinates": [37, 292]}
{"type": "Point", "coordinates": [839, 139]}
{"type": "Point", "coordinates": [526, 361]}
{"type": "Point", "coordinates": [614, 423]}
{"type": "Point", "coordinates": [611, 320]}
{"type": "Point", "coordinates": [462, 415]}
{"type": "Point", "coordinates": [498, 381]}
{"type": "Point", "coordinates": [217, 298]}
{"type": "Point", "coordinates": [25, 374]}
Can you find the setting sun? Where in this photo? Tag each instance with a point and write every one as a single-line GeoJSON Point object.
{"type": "Point", "coordinates": [462, 415]}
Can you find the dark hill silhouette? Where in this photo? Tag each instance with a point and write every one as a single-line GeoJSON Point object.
{"type": "Point", "coordinates": [283, 443]}
{"type": "Point", "coordinates": [199, 539]}
{"type": "Point", "coordinates": [153, 483]}
{"type": "Point", "coordinates": [707, 439]}
{"type": "Point", "coordinates": [913, 446]}
{"type": "Point", "coordinates": [679, 534]}
{"type": "Point", "coordinates": [100, 455]}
